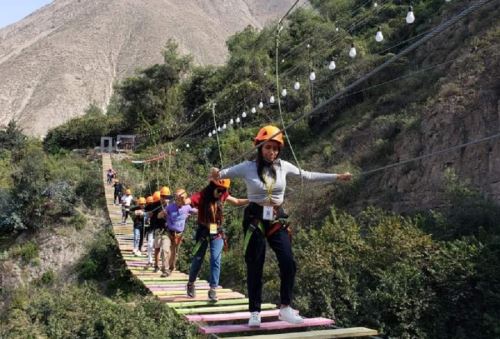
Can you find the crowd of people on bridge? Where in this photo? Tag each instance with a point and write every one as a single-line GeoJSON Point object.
{"type": "Point", "coordinates": [161, 220]}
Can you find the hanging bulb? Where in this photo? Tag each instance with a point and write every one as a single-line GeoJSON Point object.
{"type": "Point", "coordinates": [219, 129]}
{"type": "Point", "coordinates": [177, 150]}
{"type": "Point", "coordinates": [375, 4]}
{"type": "Point", "coordinates": [284, 92]}
{"type": "Point", "coordinates": [231, 121]}
{"type": "Point", "coordinates": [271, 99]}
{"type": "Point", "coordinates": [312, 76]}
{"type": "Point", "coordinates": [238, 120]}
{"type": "Point", "coordinates": [253, 110]}
{"type": "Point", "coordinates": [336, 29]}
{"type": "Point", "coordinates": [214, 132]}
{"type": "Point", "coordinates": [261, 105]}
{"type": "Point", "coordinates": [244, 114]}
{"type": "Point", "coordinates": [296, 85]}
{"type": "Point", "coordinates": [209, 134]}
{"type": "Point", "coordinates": [282, 60]}
{"type": "Point", "coordinates": [447, 0]}
{"type": "Point", "coordinates": [410, 17]}
{"type": "Point", "coordinates": [308, 46]}
{"type": "Point", "coordinates": [332, 65]}
{"type": "Point", "coordinates": [379, 36]}
{"type": "Point", "coordinates": [352, 51]}
{"type": "Point", "coordinates": [224, 126]}
{"type": "Point", "coordinates": [187, 145]}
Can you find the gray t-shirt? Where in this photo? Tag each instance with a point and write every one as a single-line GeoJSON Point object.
{"type": "Point", "coordinates": [259, 192]}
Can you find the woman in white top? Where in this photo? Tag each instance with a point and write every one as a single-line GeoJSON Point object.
{"type": "Point", "coordinates": [264, 218]}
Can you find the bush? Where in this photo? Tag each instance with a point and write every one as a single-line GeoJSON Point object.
{"type": "Point", "coordinates": [27, 251]}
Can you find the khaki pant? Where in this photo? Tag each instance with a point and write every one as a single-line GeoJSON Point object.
{"type": "Point", "coordinates": [169, 249]}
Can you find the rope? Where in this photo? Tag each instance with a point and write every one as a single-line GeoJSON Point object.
{"type": "Point", "coordinates": [217, 133]}
{"type": "Point", "coordinates": [439, 29]}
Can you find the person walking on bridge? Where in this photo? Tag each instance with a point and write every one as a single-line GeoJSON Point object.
{"type": "Point", "coordinates": [209, 203]}
{"type": "Point", "coordinates": [176, 214]}
{"type": "Point", "coordinates": [265, 219]}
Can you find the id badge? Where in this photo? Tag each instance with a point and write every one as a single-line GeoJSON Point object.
{"type": "Point", "coordinates": [213, 228]}
{"type": "Point", "coordinates": [267, 213]}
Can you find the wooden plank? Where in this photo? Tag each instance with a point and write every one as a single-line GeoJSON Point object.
{"type": "Point", "coordinates": [183, 291]}
{"type": "Point", "coordinates": [187, 304]}
{"type": "Point", "coordinates": [265, 326]}
{"type": "Point", "coordinates": [229, 316]}
{"type": "Point", "coordinates": [220, 309]}
{"type": "Point", "coordinates": [200, 297]}
{"type": "Point", "coordinates": [319, 334]}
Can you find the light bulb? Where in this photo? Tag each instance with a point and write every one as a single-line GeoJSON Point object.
{"type": "Point", "coordinates": [332, 65]}
{"type": "Point", "coordinates": [336, 29]}
{"type": "Point", "coordinates": [219, 129]}
{"type": "Point", "coordinates": [209, 134]}
{"type": "Point", "coordinates": [296, 86]}
{"type": "Point", "coordinates": [284, 92]}
{"type": "Point", "coordinates": [238, 120]}
{"type": "Point", "coordinates": [312, 76]}
{"type": "Point", "coordinates": [352, 51]}
{"type": "Point", "coordinates": [231, 121]}
{"type": "Point", "coordinates": [253, 110]}
{"type": "Point", "coordinates": [308, 46]}
{"type": "Point", "coordinates": [375, 4]}
{"type": "Point", "coordinates": [410, 17]}
{"type": "Point", "coordinates": [261, 105]}
{"type": "Point", "coordinates": [224, 126]}
{"type": "Point", "coordinates": [214, 132]}
{"type": "Point", "coordinates": [187, 145]}
{"type": "Point", "coordinates": [244, 114]}
{"type": "Point", "coordinates": [271, 99]}
{"type": "Point", "coordinates": [282, 60]}
{"type": "Point", "coordinates": [177, 150]}
{"type": "Point", "coordinates": [379, 36]}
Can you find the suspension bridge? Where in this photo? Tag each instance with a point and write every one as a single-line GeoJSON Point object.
{"type": "Point", "coordinates": [228, 316]}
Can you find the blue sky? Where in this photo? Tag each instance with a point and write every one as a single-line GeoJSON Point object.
{"type": "Point", "coordinates": [14, 10]}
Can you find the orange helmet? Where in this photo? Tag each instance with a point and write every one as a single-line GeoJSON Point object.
{"type": "Point", "coordinates": [141, 201]}
{"type": "Point", "coordinates": [149, 200]}
{"type": "Point", "coordinates": [128, 192]}
{"type": "Point", "coordinates": [156, 196]}
{"type": "Point", "coordinates": [266, 132]}
{"type": "Point", "coordinates": [225, 183]}
{"type": "Point", "coordinates": [165, 191]}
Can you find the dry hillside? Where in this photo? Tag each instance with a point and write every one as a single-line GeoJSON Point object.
{"type": "Point", "coordinates": [68, 54]}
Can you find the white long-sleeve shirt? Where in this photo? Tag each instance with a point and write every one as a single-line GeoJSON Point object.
{"type": "Point", "coordinates": [273, 192]}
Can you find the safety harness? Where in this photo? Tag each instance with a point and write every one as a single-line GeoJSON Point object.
{"type": "Point", "coordinates": [280, 222]}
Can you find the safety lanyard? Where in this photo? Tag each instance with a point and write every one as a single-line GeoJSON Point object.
{"type": "Point", "coordinates": [269, 184]}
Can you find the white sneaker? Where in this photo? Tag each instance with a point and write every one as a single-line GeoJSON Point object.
{"type": "Point", "coordinates": [254, 320]}
{"type": "Point", "coordinates": [288, 314]}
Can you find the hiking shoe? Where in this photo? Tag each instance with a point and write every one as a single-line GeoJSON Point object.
{"type": "Point", "coordinates": [165, 273]}
{"type": "Point", "coordinates": [157, 269]}
{"type": "Point", "coordinates": [148, 265]}
{"type": "Point", "coordinates": [191, 292]}
{"type": "Point", "coordinates": [212, 294]}
{"type": "Point", "coordinates": [254, 320]}
{"type": "Point", "coordinates": [290, 316]}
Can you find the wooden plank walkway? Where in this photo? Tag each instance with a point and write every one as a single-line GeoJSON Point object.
{"type": "Point", "coordinates": [229, 314]}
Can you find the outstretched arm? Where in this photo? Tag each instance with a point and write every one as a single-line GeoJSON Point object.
{"type": "Point", "coordinates": [236, 201]}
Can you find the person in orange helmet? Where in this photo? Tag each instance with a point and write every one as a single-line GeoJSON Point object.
{"type": "Point", "coordinates": [138, 215]}
{"type": "Point", "coordinates": [264, 218]}
{"type": "Point", "coordinates": [126, 201]}
{"type": "Point", "coordinates": [209, 203]}
{"type": "Point", "coordinates": [153, 206]}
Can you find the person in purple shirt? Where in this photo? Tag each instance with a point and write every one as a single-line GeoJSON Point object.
{"type": "Point", "coordinates": [175, 215]}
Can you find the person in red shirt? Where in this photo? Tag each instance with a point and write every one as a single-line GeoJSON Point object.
{"type": "Point", "coordinates": [209, 203]}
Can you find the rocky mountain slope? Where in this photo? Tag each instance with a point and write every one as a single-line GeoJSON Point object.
{"type": "Point", "coordinates": [68, 54]}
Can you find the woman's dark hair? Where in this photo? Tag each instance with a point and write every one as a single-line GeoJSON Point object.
{"type": "Point", "coordinates": [207, 201]}
{"type": "Point", "coordinates": [263, 163]}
